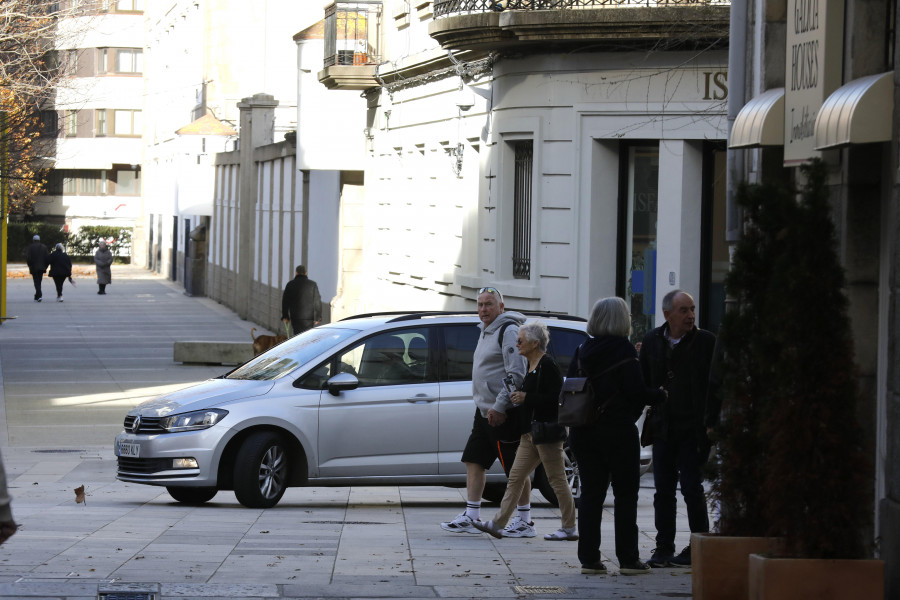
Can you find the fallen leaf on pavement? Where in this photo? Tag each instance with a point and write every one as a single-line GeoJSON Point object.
{"type": "Point", "coordinates": [79, 495]}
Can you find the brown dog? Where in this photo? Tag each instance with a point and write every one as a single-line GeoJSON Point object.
{"type": "Point", "coordinates": [261, 343]}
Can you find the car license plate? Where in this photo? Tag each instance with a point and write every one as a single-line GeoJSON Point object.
{"type": "Point", "coordinates": [132, 450]}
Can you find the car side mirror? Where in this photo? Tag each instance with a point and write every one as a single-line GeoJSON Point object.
{"type": "Point", "coordinates": [342, 382]}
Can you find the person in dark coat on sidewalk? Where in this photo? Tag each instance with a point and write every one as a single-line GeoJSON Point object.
{"type": "Point", "coordinates": [103, 258]}
{"type": "Point", "coordinates": [36, 257]}
{"type": "Point", "coordinates": [678, 356]}
{"type": "Point", "coordinates": [301, 305]}
{"type": "Point", "coordinates": [60, 269]}
{"type": "Point", "coordinates": [609, 450]}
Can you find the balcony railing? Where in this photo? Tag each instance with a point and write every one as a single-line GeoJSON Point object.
{"type": "Point", "coordinates": [455, 7]}
{"type": "Point", "coordinates": [353, 33]}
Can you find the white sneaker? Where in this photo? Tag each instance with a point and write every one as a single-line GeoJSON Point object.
{"type": "Point", "coordinates": [59, 299]}
{"type": "Point", "coordinates": [461, 524]}
{"type": "Point", "coordinates": [518, 528]}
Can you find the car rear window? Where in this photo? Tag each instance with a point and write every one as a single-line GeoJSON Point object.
{"type": "Point", "coordinates": [563, 343]}
{"type": "Point", "coordinates": [287, 356]}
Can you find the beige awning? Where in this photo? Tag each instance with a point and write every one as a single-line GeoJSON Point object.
{"type": "Point", "coordinates": [859, 112]}
{"type": "Point", "coordinates": [760, 122]}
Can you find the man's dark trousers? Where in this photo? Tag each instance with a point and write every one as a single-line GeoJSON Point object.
{"type": "Point", "coordinates": [679, 453]}
{"type": "Point", "coordinates": [37, 285]}
{"type": "Point", "coordinates": [298, 327]}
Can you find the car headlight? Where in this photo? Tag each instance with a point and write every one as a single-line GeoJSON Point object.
{"type": "Point", "coordinates": [192, 421]}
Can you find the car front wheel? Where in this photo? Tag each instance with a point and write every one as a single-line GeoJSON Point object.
{"type": "Point", "coordinates": [261, 471]}
{"type": "Point", "coordinates": [191, 495]}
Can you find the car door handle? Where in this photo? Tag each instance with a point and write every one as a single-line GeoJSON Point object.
{"type": "Point", "coordinates": [421, 399]}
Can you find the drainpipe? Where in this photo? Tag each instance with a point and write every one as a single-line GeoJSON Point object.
{"type": "Point", "coordinates": [737, 74]}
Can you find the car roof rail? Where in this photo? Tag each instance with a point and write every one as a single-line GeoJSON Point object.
{"type": "Point", "coordinates": [405, 315]}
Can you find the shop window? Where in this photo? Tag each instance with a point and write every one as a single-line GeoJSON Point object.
{"type": "Point", "coordinates": [521, 256]}
{"type": "Point", "coordinates": [641, 187]}
{"type": "Point", "coordinates": [714, 249]}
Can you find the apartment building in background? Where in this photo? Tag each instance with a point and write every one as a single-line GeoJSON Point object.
{"type": "Point", "coordinates": [97, 120]}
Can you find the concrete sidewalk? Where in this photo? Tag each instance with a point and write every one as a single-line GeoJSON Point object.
{"type": "Point", "coordinates": [68, 374]}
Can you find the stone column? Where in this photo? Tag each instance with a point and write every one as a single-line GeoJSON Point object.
{"type": "Point", "coordinates": [257, 129]}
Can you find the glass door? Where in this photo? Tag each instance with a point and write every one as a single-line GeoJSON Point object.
{"type": "Point", "coordinates": [640, 210]}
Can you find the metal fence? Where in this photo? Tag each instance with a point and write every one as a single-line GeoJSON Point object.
{"type": "Point", "coordinates": [452, 7]}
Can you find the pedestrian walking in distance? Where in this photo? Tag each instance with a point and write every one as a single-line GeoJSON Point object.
{"type": "Point", "coordinates": [60, 269]}
{"type": "Point", "coordinates": [301, 305]}
{"type": "Point", "coordinates": [103, 258]}
{"type": "Point", "coordinates": [36, 257]}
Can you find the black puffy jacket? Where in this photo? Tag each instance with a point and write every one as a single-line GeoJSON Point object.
{"type": "Point", "coordinates": [598, 354]}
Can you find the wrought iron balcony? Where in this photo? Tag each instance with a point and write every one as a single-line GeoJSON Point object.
{"type": "Point", "coordinates": [455, 7]}
{"type": "Point", "coordinates": [492, 24]}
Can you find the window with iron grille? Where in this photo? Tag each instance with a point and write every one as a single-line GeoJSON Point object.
{"type": "Point", "coordinates": [521, 257]}
{"type": "Point", "coordinates": [353, 33]}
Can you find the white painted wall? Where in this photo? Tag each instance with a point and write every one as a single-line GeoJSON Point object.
{"type": "Point", "coordinates": [440, 237]}
{"type": "Point", "coordinates": [331, 123]}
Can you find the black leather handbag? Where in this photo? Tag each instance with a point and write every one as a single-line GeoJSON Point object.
{"type": "Point", "coordinates": [543, 432]}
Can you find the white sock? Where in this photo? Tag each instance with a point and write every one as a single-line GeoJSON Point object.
{"type": "Point", "coordinates": [525, 513]}
{"type": "Point", "coordinates": [473, 510]}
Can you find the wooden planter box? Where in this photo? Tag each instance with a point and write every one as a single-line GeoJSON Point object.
{"type": "Point", "coordinates": [792, 578]}
{"type": "Point", "coordinates": [720, 564]}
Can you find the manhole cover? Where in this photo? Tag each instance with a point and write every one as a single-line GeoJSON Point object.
{"type": "Point", "coordinates": [539, 589]}
{"type": "Point", "coordinates": [58, 450]}
{"type": "Point", "coordinates": [128, 591]}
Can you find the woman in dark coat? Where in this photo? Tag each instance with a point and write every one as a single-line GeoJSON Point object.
{"type": "Point", "coordinates": [609, 450]}
{"type": "Point", "coordinates": [103, 258]}
{"type": "Point", "coordinates": [60, 269]}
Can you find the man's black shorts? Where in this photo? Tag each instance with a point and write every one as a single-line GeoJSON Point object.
{"type": "Point", "coordinates": [483, 448]}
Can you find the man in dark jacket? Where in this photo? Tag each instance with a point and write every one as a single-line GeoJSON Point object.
{"type": "Point", "coordinates": [301, 305]}
{"type": "Point", "coordinates": [37, 257]}
{"type": "Point", "coordinates": [677, 356]}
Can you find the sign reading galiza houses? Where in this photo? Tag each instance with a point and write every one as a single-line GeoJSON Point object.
{"type": "Point", "coordinates": [815, 30]}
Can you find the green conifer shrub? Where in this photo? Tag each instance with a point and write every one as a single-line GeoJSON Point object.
{"type": "Point", "coordinates": [792, 463]}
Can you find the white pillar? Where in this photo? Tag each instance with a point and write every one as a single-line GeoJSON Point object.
{"type": "Point", "coordinates": [679, 227]}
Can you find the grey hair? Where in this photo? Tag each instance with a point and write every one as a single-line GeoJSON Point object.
{"type": "Point", "coordinates": [609, 316]}
{"type": "Point", "coordinates": [535, 330]}
{"type": "Point", "coordinates": [59, 246]}
{"type": "Point", "coordinates": [669, 299]}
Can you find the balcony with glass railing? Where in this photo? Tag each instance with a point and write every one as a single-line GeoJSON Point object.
{"type": "Point", "coordinates": [353, 34]}
{"type": "Point", "coordinates": [496, 24]}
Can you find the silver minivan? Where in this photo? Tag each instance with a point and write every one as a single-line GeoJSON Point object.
{"type": "Point", "coordinates": [373, 399]}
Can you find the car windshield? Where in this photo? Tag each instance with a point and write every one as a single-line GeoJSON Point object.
{"type": "Point", "coordinates": [289, 355]}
